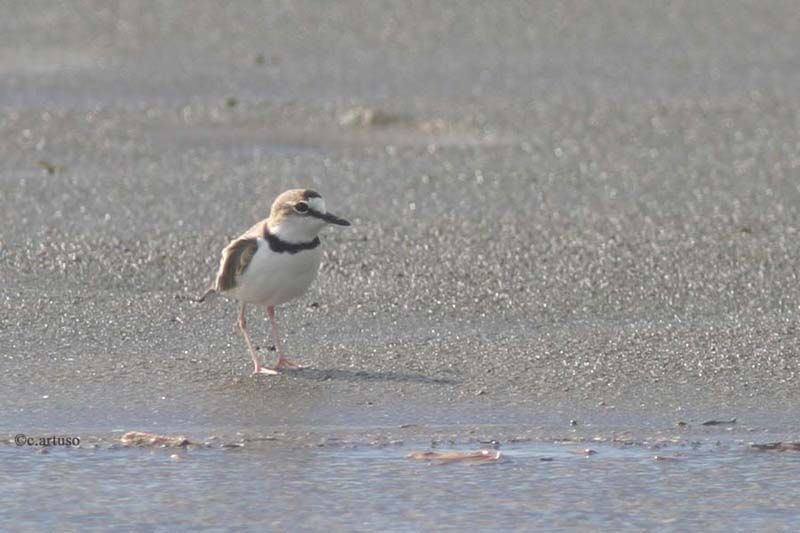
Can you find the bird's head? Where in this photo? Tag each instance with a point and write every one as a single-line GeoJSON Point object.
{"type": "Point", "coordinates": [298, 215]}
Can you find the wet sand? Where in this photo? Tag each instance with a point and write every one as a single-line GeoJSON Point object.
{"type": "Point", "coordinates": [560, 212]}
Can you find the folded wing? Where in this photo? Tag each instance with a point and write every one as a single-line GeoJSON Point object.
{"type": "Point", "coordinates": [236, 258]}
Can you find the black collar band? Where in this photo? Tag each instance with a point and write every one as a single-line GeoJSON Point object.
{"type": "Point", "coordinates": [278, 245]}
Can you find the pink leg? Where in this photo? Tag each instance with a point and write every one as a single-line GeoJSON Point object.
{"type": "Point", "coordinates": [282, 361]}
{"type": "Point", "coordinates": [258, 369]}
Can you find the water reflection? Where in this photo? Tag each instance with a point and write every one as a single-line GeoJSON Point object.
{"type": "Point", "coordinates": [368, 488]}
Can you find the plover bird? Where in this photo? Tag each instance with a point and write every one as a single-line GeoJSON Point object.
{"type": "Point", "coordinates": [274, 262]}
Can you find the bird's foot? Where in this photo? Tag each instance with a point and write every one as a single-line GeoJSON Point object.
{"type": "Point", "coordinates": [265, 370]}
{"type": "Point", "coordinates": [284, 363]}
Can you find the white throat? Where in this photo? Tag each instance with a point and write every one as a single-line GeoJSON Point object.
{"type": "Point", "coordinates": [297, 230]}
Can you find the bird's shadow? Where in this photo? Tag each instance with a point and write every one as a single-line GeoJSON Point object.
{"type": "Point", "coordinates": [360, 376]}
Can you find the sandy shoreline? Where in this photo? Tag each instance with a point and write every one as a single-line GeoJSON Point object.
{"type": "Point", "coordinates": [536, 234]}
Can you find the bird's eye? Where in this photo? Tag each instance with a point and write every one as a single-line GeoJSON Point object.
{"type": "Point", "coordinates": [301, 207]}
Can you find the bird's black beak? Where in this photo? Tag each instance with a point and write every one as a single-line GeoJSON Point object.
{"type": "Point", "coordinates": [330, 218]}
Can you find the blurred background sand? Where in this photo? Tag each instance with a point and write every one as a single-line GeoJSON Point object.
{"type": "Point", "coordinates": [558, 208]}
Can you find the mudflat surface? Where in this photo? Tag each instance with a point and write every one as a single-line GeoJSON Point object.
{"type": "Point", "coordinates": [569, 210]}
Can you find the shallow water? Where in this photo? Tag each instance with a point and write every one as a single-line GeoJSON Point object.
{"type": "Point", "coordinates": [537, 485]}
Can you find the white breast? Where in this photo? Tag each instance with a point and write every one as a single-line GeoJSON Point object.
{"type": "Point", "coordinates": [275, 278]}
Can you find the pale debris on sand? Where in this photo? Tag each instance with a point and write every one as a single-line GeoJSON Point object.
{"type": "Point", "coordinates": [452, 457]}
{"type": "Point", "coordinates": [140, 438]}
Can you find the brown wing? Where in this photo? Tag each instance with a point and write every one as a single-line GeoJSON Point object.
{"type": "Point", "coordinates": [236, 258]}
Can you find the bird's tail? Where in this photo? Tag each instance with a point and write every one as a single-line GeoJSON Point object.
{"type": "Point", "coordinates": [210, 291]}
